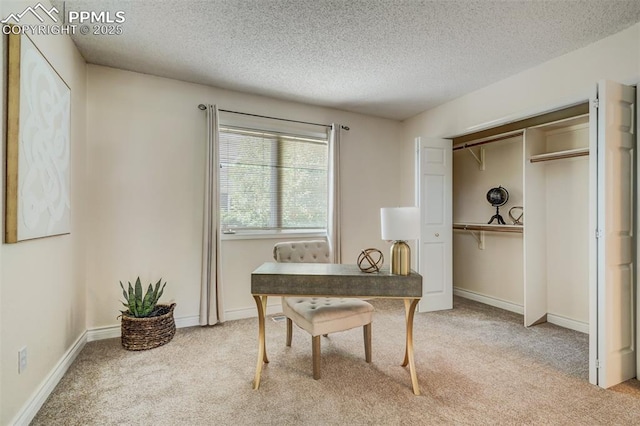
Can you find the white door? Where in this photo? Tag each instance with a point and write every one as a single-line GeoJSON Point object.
{"type": "Point", "coordinates": [612, 342]}
{"type": "Point", "coordinates": [434, 197]}
{"type": "Point", "coordinates": [637, 229]}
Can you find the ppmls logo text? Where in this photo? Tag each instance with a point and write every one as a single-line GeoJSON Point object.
{"type": "Point", "coordinates": [103, 17]}
{"type": "Point", "coordinates": [72, 22]}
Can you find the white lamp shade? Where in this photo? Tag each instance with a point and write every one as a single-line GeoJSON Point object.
{"type": "Point", "coordinates": [400, 223]}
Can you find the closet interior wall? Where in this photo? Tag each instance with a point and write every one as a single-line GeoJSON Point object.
{"type": "Point", "coordinates": [496, 270]}
{"type": "Point", "coordinates": [563, 212]}
{"type": "Point", "coordinates": [543, 271]}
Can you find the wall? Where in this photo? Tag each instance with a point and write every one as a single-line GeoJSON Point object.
{"type": "Point", "coordinates": [42, 282]}
{"type": "Point", "coordinates": [137, 198]}
{"type": "Point", "coordinates": [559, 82]}
{"type": "Point", "coordinates": [146, 141]}
{"type": "Point", "coordinates": [565, 80]}
{"type": "Point", "coordinates": [567, 205]}
{"type": "Point", "coordinates": [477, 270]}
{"type": "Point", "coordinates": [564, 215]}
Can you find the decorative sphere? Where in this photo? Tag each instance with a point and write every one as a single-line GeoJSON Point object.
{"type": "Point", "coordinates": [497, 196]}
{"type": "Point", "coordinates": [370, 260]}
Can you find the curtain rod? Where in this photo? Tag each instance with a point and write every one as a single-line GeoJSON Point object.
{"type": "Point", "coordinates": [203, 107]}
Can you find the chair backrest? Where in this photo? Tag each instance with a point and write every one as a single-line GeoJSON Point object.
{"type": "Point", "coordinates": [316, 251]}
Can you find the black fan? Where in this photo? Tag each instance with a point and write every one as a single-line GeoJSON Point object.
{"type": "Point", "coordinates": [497, 197]}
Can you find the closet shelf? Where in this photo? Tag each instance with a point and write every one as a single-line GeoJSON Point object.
{"type": "Point", "coordinates": [570, 153]}
{"type": "Point", "coordinates": [488, 227]}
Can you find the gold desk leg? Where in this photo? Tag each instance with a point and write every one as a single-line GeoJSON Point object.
{"type": "Point", "coordinates": [409, 310]}
{"type": "Point", "coordinates": [261, 302]}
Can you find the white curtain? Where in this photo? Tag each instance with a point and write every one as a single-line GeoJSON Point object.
{"type": "Point", "coordinates": [211, 311]}
{"type": "Point", "coordinates": [334, 205]}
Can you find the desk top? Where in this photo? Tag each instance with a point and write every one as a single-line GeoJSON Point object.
{"type": "Point", "coordinates": [332, 280]}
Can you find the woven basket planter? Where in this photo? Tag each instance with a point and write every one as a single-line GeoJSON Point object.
{"type": "Point", "coordinates": [139, 334]}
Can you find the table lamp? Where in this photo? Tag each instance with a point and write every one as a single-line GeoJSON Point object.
{"type": "Point", "coordinates": [400, 224]}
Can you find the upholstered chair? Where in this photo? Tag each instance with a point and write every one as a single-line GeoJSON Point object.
{"type": "Point", "coordinates": [321, 315]}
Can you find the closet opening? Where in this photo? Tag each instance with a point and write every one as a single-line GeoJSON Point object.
{"type": "Point", "coordinates": [537, 263]}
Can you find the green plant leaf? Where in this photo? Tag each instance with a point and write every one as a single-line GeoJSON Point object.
{"type": "Point", "coordinates": [132, 301]}
{"type": "Point", "coordinates": [124, 293]}
{"type": "Point", "coordinates": [142, 305]}
{"type": "Point", "coordinates": [138, 289]}
{"type": "Point", "coordinates": [156, 295]}
{"type": "Point", "coordinates": [147, 303]}
{"type": "Point", "coordinates": [161, 291]}
{"type": "Point", "coordinates": [138, 299]}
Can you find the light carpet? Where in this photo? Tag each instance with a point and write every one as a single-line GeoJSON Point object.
{"type": "Point", "coordinates": [476, 365]}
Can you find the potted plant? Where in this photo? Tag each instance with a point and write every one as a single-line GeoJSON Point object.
{"type": "Point", "coordinates": [145, 323]}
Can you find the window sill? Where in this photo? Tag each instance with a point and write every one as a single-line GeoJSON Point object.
{"type": "Point", "coordinates": [274, 235]}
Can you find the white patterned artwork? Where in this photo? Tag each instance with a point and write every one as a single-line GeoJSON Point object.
{"type": "Point", "coordinates": [38, 144]}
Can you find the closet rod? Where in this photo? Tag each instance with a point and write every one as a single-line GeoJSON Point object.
{"type": "Point", "coordinates": [572, 153]}
{"type": "Point", "coordinates": [500, 138]}
{"type": "Point", "coordinates": [203, 107]}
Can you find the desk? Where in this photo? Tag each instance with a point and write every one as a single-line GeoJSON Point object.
{"type": "Point", "coordinates": [334, 280]}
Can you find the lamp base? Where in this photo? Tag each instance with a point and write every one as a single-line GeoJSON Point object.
{"type": "Point", "coordinates": [400, 258]}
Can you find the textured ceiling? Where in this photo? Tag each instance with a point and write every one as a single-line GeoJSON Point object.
{"type": "Point", "coordinates": [392, 58]}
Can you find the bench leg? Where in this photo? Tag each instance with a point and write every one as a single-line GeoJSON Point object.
{"type": "Point", "coordinates": [289, 331]}
{"type": "Point", "coordinates": [367, 342]}
{"type": "Point", "coordinates": [315, 354]}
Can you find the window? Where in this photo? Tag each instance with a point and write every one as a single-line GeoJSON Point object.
{"type": "Point", "coordinates": [272, 181]}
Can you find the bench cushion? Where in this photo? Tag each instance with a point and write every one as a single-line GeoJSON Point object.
{"type": "Point", "coordinates": [323, 315]}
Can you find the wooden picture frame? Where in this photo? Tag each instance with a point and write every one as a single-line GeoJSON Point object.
{"type": "Point", "coordinates": [37, 200]}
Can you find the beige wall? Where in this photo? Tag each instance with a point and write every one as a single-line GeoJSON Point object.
{"type": "Point", "coordinates": [497, 270]}
{"type": "Point", "coordinates": [136, 190]}
{"type": "Point", "coordinates": [42, 282]}
{"type": "Point", "coordinates": [565, 80]}
{"type": "Point", "coordinates": [146, 141]}
{"type": "Point", "coordinates": [567, 220]}
{"type": "Point", "coordinates": [478, 270]}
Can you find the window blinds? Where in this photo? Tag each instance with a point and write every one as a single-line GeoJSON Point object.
{"type": "Point", "coordinates": [271, 180]}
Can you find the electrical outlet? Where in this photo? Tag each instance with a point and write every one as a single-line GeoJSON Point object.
{"type": "Point", "coordinates": [22, 360]}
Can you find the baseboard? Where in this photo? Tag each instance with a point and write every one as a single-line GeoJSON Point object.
{"type": "Point", "coordinates": [558, 320]}
{"type": "Point", "coordinates": [488, 300]}
{"type": "Point", "coordinates": [236, 314]}
{"type": "Point", "coordinates": [33, 405]}
{"type": "Point", "coordinates": [187, 321]}
{"type": "Point", "coordinates": [29, 411]}
{"type": "Point", "coordinates": [101, 333]}
{"type": "Point", "coordinates": [113, 331]}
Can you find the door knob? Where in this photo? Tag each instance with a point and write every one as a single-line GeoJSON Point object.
{"type": "Point", "coordinates": [437, 235]}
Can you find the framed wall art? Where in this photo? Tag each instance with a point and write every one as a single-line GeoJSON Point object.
{"type": "Point", "coordinates": [37, 200]}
